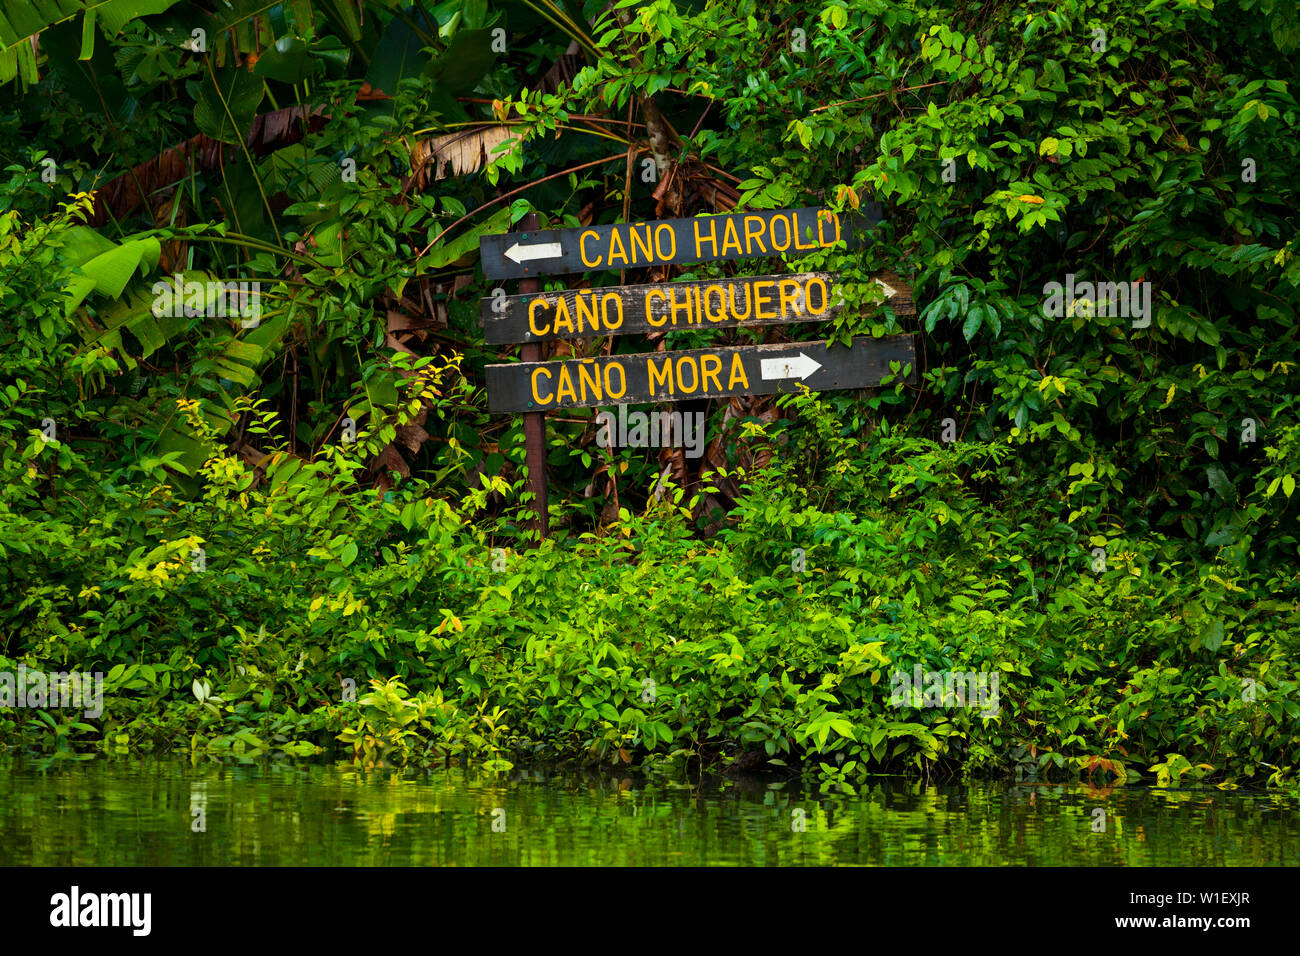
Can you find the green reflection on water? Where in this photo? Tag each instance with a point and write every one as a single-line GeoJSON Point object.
{"type": "Point", "coordinates": [130, 814]}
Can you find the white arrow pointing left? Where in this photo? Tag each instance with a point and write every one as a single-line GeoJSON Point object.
{"type": "Point", "coordinates": [542, 250]}
{"type": "Point", "coordinates": [800, 367]}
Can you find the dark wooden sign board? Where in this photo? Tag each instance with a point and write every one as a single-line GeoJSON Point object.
{"type": "Point", "coordinates": [695, 373]}
{"type": "Point", "coordinates": [631, 245]}
{"type": "Point", "coordinates": [669, 307]}
{"type": "Point", "coordinates": [530, 318]}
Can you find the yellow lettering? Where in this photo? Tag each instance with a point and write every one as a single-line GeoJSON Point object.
{"type": "Point", "coordinates": [649, 309]}
{"type": "Point", "coordinates": [820, 283]}
{"type": "Point", "coordinates": [589, 374]}
{"type": "Point", "coordinates": [563, 321]}
{"type": "Point", "coordinates": [586, 308]}
{"type": "Point", "coordinates": [660, 231]}
{"type": "Point", "coordinates": [532, 381]}
{"type": "Point", "coordinates": [616, 250]}
{"type": "Point", "coordinates": [730, 238]}
{"type": "Point", "coordinates": [582, 248]}
{"type": "Point", "coordinates": [721, 314]}
{"type": "Point", "coordinates": [684, 307]}
{"type": "Point", "coordinates": [789, 289]}
{"type": "Point", "coordinates": [797, 243]}
{"type": "Point", "coordinates": [754, 226]}
{"type": "Point", "coordinates": [660, 377]}
{"type": "Point", "coordinates": [736, 313]}
{"type": "Point", "coordinates": [532, 312]}
{"type": "Point", "coordinates": [643, 243]}
{"type": "Point", "coordinates": [688, 362]}
{"type": "Point", "coordinates": [711, 374]}
{"type": "Point", "coordinates": [604, 309]}
{"type": "Point", "coordinates": [759, 300]}
{"type": "Point", "coordinates": [700, 240]}
{"type": "Point", "coordinates": [786, 223]}
{"type": "Point", "coordinates": [737, 373]}
{"type": "Point", "coordinates": [622, 380]}
{"type": "Point", "coordinates": [565, 388]}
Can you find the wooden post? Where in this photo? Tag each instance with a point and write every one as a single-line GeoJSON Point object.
{"type": "Point", "coordinates": [534, 422]}
{"type": "Point", "coordinates": [530, 252]}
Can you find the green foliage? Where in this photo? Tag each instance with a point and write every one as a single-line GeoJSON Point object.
{"type": "Point", "coordinates": [1094, 509]}
{"type": "Point", "coordinates": [648, 645]}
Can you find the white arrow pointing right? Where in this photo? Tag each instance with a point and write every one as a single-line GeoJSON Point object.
{"type": "Point", "coordinates": [800, 367]}
{"type": "Point", "coordinates": [542, 250]}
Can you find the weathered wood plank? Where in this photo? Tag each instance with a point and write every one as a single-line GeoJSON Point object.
{"type": "Point", "coordinates": [694, 373]}
{"type": "Point", "coordinates": [676, 306]}
{"type": "Point", "coordinates": [631, 245]}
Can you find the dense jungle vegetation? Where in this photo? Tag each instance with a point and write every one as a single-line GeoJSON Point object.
{"type": "Point", "coordinates": [238, 523]}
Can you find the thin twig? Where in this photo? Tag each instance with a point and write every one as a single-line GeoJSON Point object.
{"type": "Point", "coordinates": [513, 192]}
{"type": "Point", "coordinates": [873, 96]}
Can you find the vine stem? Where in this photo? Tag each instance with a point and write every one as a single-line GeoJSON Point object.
{"type": "Point", "coordinates": [515, 192]}
{"type": "Point", "coordinates": [873, 96]}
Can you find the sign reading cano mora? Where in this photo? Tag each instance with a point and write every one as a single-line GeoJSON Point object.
{"type": "Point", "coordinates": [694, 373]}
{"type": "Point", "coordinates": [632, 245]}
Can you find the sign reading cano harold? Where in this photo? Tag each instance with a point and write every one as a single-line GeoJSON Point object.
{"type": "Point", "coordinates": [694, 373]}
{"type": "Point", "coordinates": [631, 245]}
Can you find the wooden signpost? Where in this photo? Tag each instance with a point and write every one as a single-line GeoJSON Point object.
{"type": "Point", "coordinates": [532, 317]}
{"type": "Point", "coordinates": [693, 373]}
{"type": "Point", "coordinates": [675, 307]}
{"type": "Point", "coordinates": [634, 245]}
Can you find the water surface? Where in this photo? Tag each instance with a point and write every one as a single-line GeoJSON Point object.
{"type": "Point", "coordinates": [120, 813]}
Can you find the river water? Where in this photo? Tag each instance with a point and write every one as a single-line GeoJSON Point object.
{"type": "Point", "coordinates": [172, 813]}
